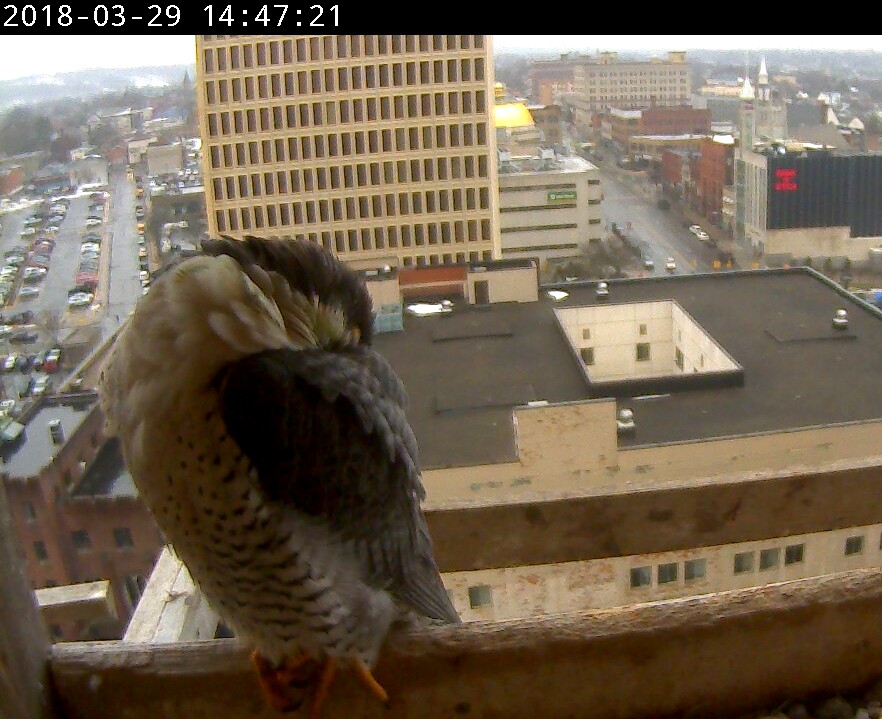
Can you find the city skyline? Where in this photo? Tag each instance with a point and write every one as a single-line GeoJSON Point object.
{"type": "Point", "coordinates": [54, 54]}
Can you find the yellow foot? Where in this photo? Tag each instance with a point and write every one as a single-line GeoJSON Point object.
{"type": "Point", "coordinates": [321, 691]}
{"type": "Point", "coordinates": [368, 680]}
{"type": "Point", "coordinates": [275, 681]}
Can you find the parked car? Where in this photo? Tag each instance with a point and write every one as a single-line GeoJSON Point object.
{"type": "Point", "coordinates": [33, 274]}
{"type": "Point", "coordinates": [703, 236]}
{"type": "Point", "coordinates": [92, 237]}
{"type": "Point", "coordinates": [671, 265]}
{"type": "Point", "coordinates": [93, 222]}
{"type": "Point", "coordinates": [9, 362]}
{"type": "Point", "coordinates": [22, 318]}
{"type": "Point", "coordinates": [648, 263]}
{"type": "Point", "coordinates": [80, 299]}
{"type": "Point", "coordinates": [40, 385]}
{"type": "Point", "coordinates": [38, 360]}
{"type": "Point", "coordinates": [5, 330]}
{"type": "Point", "coordinates": [52, 360]}
{"type": "Point", "coordinates": [28, 232]}
{"type": "Point", "coordinates": [24, 337]}
{"type": "Point", "coordinates": [28, 293]}
{"type": "Point", "coordinates": [16, 260]}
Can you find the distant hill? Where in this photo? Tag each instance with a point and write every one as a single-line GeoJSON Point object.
{"type": "Point", "coordinates": [88, 83]}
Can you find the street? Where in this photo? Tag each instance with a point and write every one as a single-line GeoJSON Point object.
{"type": "Point", "coordinates": [122, 286]}
{"type": "Point", "coordinates": [628, 198]}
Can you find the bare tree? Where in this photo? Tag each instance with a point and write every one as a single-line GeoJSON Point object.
{"type": "Point", "coordinates": [49, 321]}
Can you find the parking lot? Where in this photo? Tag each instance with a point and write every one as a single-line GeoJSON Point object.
{"type": "Point", "coordinates": [47, 249]}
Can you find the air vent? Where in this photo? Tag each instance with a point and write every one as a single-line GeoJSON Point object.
{"type": "Point", "coordinates": [840, 320]}
{"type": "Point", "coordinates": [602, 291]}
{"type": "Point", "coordinates": [56, 431]}
{"type": "Point", "coordinates": [625, 422]}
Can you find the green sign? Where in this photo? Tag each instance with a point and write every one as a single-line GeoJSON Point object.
{"type": "Point", "coordinates": [561, 195]}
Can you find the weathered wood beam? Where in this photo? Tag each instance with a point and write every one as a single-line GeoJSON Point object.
{"type": "Point", "coordinates": [24, 644]}
{"type": "Point", "coordinates": [90, 601]}
{"type": "Point", "coordinates": [717, 654]}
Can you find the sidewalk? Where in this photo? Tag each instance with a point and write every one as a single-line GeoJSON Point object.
{"type": "Point", "coordinates": [744, 258]}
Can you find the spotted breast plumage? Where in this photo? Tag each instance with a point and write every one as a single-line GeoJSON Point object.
{"type": "Point", "coordinates": [270, 441]}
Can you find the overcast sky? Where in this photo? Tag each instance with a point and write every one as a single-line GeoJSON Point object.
{"type": "Point", "coordinates": [22, 56]}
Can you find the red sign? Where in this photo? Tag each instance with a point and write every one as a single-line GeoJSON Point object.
{"type": "Point", "coordinates": [785, 180]}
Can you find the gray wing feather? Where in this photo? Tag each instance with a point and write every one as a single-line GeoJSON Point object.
{"type": "Point", "coordinates": [328, 434]}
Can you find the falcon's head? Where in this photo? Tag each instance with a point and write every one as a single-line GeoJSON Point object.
{"type": "Point", "coordinates": [286, 270]}
{"type": "Point", "coordinates": [237, 298]}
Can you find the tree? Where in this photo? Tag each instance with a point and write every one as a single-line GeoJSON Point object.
{"type": "Point", "coordinates": [24, 130]}
{"type": "Point", "coordinates": [50, 322]}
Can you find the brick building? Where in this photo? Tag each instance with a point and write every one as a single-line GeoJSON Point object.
{"type": "Point", "coordinates": [549, 78]}
{"type": "Point", "coordinates": [11, 179]}
{"type": "Point", "coordinates": [75, 508]}
{"type": "Point", "coordinates": [548, 119]}
{"type": "Point", "coordinates": [620, 125]}
{"type": "Point", "coordinates": [715, 171]}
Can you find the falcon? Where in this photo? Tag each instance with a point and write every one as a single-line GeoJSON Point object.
{"type": "Point", "coordinates": [271, 444]}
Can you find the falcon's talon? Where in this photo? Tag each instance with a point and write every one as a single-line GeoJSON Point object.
{"type": "Point", "coordinates": [368, 679]}
{"type": "Point", "coordinates": [274, 691]}
{"type": "Point", "coordinates": [321, 691]}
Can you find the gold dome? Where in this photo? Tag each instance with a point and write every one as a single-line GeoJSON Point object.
{"type": "Point", "coordinates": [512, 114]}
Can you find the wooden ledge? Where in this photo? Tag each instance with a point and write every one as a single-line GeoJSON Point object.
{"type": "Point", "coordinates": [720, 654]}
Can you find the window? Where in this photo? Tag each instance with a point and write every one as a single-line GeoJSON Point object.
{"type": "Point", "coordinates": [641, 577]}
{"type": "Point", "coordinates": [30, 514]}
{"type": "Point", "coordinates": [481, 596]}
{"type": "Point", "coordinates": [694, 569]}
{"type": "Point", "coordinates": [854, 545]}
{"type": "Point", "coordinates": [587, 354]}
{"type": "Point", "coordinates": [667, 573]}
{"type": "Point", "coordinates": [642, 351]}
{"type": "Point", "coordinates": [81, 540]}
{"type": "Point", "coordinates": [770, 558]}
{"type": "Point", "coordinates": [40, 551]}
{"type": "Point", "coordinates": [743, 562]}
{"type": "Point", "coordinates": [642, 330]}
{"type": "Point", "coordinates": [794, 554]}
{"type": "Point", "coordinates": [678, 357]}
{"type": "Point", "coordinates": [122, 537]}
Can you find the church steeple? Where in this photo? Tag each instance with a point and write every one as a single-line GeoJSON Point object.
{"type": "Point", "coordinates": [763, 90]}
{"type": "Point", "coordinates": [747, 90]}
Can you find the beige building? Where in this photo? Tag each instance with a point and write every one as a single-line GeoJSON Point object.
{"type": "Point", "coordinates": [549, 206]}
{"type": "Point", "coordinates": [164, 159]}
{"type": "Point", "coordinates": [727, 406]}
{"type": "Point", "coordinates": [376, 146]}
{"type": "Point", "coordinates": [604, 82]}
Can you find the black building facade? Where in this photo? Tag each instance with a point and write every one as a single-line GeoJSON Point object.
{"type": "Point", "coordinates": [820, 189]}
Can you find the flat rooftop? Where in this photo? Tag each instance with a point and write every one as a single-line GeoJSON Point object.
{"type": "Point", "coordinates": [35, 449]}
{"type": "Point", "coordinates": [107, 474]}
{"type": "Point", "coordinates": [466, 370]}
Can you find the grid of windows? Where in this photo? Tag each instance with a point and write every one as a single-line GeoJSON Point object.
{"type": "Point", "coordinates": [366, 144]}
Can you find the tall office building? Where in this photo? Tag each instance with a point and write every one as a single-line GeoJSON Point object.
{"type": "Point", "coordinates": [379, 147]}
